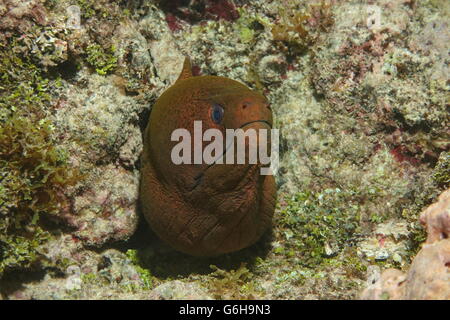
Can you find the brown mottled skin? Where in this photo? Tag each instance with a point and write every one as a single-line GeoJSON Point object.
{"type": "Point", "coordinates": [201, 209]}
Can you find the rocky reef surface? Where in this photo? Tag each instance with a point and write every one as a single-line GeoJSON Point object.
{"type": "Point", "coordinates": [429, 275]}
{"type": "Point", "coordinates": [359, 90]}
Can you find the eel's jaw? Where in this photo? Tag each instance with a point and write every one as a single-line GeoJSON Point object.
{"type": "Point", "coordinates": [227, 148]}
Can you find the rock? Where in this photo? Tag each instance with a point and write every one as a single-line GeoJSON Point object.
{"type": "Point", "coordinates": [19, 15]}
{"type": "Point", "coordinates": [180, 291]}
{"type": "Point", "coordinates": [167, 59]}
{"type": "Point", "coordinates": [73, 281]}
{"type": "Point", "coordinates": [117, 268]}
{"type": "Point", "coordinates": [388, 243]}
{"type": "Point", "coordinates": [271, 68]}
{"type": "Point", "coordinates": [388, 286]}
{"type": "Point", "coordinates": [104, 124]}
{"type": "Point", "coordinates": [360, 107]}
{"type": "Point", "coordinates": [107, 210]}
{"type": "Point", "coordinates": [436, 218]}
{"type": "Point", "coordinates": [429, 274]}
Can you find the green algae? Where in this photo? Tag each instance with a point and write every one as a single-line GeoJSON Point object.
{"type": "Point", "coordinates": [144, 273]}
{"type": "Point", "coordinates": [86, 8]}
{"type": "Point", "coordinates": [317, 225]}
{"type": "Point", "coordinates": [33, 169]}
{"type": "Point", "coordinates": [301, 23]}
{"type": "Point", "coordinates": [233, 284]}
{"type": "Point", "coordinates": [306, 203]}
{"type": "Point", "coordinates": [248, 26]}
{"type": "Point", "coordinates": [93, 9]}
{"type": "Point", "coordinates": [102, 60]}
{"type": "Point", "coordinates": [441, 172]}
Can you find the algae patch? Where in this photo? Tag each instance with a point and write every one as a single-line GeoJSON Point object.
{"type": "Point", "coordinates": [33, 169]}
{"type": "Point", "coordinates": [102, 60]}
{"type": "Point", "coordinates": [318, 225]}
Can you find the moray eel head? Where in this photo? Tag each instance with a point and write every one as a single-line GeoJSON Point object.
{"type": "Point", "coordinates": [206, 209]}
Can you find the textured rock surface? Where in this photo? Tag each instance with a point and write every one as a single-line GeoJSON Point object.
{"type": "Point", "coordinates": [363, 112]}
{"type": "Point", "coordinates": [429, 274]}
{"type": "Point", "coordinates": [179, 291]}
{"type": "Point", "coordinates": [436, 218]}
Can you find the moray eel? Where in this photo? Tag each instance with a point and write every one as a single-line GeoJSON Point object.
{"type": "Point", "coordinates": [205, 209]}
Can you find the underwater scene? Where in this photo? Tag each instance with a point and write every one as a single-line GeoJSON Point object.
{"type": "Point", "coordinates": [224, 150]}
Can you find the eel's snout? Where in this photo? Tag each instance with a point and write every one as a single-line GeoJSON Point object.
{"type": "Point", "coordinates": [256, 110]}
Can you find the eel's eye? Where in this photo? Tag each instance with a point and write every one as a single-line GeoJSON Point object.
{"type": "Point", "coordinates": [217, 113]}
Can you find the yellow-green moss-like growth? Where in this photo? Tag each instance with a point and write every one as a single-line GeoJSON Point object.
{"type": "Point", "coordinates": [318, 225]}
{"type": "Point", "coordinates": [441, 172]}
{"type": "Point", "coordinates": [102, 60]}
{"type": "Point", "coordinates": [33, 169]}
{"type": "Point", "coordinates": [144, 274]}
{"type": "Point", "coordinates": [233, 284]}
{"type": "Point", "coordinates": [299, 27]}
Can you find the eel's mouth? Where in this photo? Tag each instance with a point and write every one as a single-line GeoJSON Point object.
{"type": "Point", "coordinates": [229, 145]}
{"type": "Point", "coordinates": [198, 178]}
{"type": "Point", "coordinates": [256, 121]}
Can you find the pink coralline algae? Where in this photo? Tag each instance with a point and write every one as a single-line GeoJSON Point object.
{"type": "Point", "coordinates": [21, 15]}
{"type": "Point", "coordinates": [429, 275]}
{"type": "Point", "coordinates": [436, 218]}
{"type": "Point", "coordinates": [222, 9]}
{"type": "Point", "coordinates": [173, 22]}
{"type": "Point", "coordinates": [401, 153]}
{"type": "Point", "coordinates": [196, 11]}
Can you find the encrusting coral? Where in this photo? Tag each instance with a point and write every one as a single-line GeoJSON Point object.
{"type": "Point", "coordinates": [429, 274]}
{"type": "Point", "coordinates": [363, 117]}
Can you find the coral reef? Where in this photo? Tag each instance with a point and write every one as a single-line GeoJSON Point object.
{"type": "Point", "coordinates": [428, 276]}
{"type": "Point", "coordinates": [22, 15]}
{"type": "Point", "coordinates": [177, 290]}
{"type": "Point", "coordinates": [361, 101]}
{"type": "Point", "coordinates": [34, 170]}
{"type": "Point", "coordinates": [48, 172]}
{"type": "Point", "coordinates": [436, 218]}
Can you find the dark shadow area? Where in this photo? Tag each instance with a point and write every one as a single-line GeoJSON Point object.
{"type": "Point", "coordinates": [195, 11]}
{"type": "Point", "coordinates": [165, 262]}
{"type": "Point", "coordinates": [67, 70]}
{"type": "Point", "coordinates": [15, 280]}
{"type": "Point", "coordinates": [144, 116]}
